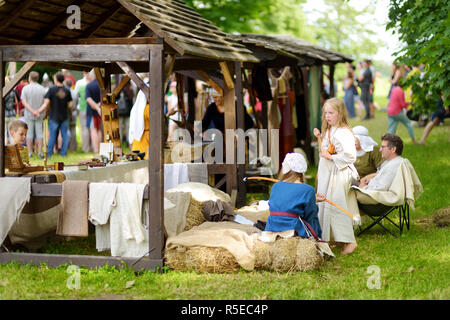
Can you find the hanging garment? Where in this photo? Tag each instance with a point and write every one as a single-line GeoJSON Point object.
{"type": "Point", "coordinates": [102, 198]}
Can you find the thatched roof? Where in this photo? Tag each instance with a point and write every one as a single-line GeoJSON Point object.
{"type": "Point", "coordinates": [307, 53]}
{"type": "Point", "coordinates": [181, 27]}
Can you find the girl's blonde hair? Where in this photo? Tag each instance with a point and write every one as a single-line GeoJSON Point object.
{"type": "Point", "coordinates": [291, 176]}
{"type": "Point", "coordinates": [338, 105]}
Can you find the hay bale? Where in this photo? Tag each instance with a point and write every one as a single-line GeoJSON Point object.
{"type": "Point", "coordinates": [307, 256]}
{"type": "Point", "coordinates": [442, 217]}
{"type": "Point", "coordinates": [283, 253]}
{"type": "Point", "coordinates": [202, 259]}
{"type": "Point", "coordinates": [200, 193]}
{"type": "Point", "coordinates": [263, 260]}
{"type": "Point", "coordinates": [286, 255]}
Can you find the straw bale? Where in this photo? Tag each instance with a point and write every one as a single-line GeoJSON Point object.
{"type": "Point", "coordinates": [285, 255]}
{"type": "Point", "coordinates": [202, 259]}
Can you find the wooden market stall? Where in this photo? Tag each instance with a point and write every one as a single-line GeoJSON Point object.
{"type": "Point", "coordinates": [305, 61]}
{"type": "Point", "coordinates": [124, 36]}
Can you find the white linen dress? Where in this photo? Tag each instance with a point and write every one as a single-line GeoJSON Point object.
{"type": "Point", "coordinates": [334, 179]}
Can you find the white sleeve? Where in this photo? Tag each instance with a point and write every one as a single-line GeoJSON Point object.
{"type": "Point", "coordinates": [344, 144]}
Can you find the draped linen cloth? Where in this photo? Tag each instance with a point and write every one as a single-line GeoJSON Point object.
{"type": "Point", "coordinates": [334, 181]}
{"type": "Point", "coordinates": [15, 193]}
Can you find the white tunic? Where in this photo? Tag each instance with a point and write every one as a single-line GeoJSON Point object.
{"type": "Point", "coordinates": [334, 180]}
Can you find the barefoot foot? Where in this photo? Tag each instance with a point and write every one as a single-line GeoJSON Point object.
{"type": "Point", "coordinates": [349, 248]}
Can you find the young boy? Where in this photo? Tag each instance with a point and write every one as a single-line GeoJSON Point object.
{"type": "Point", "coordinates": [18, 132]}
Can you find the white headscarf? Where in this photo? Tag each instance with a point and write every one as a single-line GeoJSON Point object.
{"type": "Point", "coordinates": [366, 142]}
{"type": "Point", "coordinates": [294, 161]}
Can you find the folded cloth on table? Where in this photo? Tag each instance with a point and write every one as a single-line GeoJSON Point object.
{"type": "Point", "coordinates": [16, 193]}
{"type": "Point", "coordinates": [102, 199]}
{"type": "Point", "coordinates": [73, 217]}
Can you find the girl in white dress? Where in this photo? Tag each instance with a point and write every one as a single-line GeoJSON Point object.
{"type": "Point", "coordinates": [335, 175]}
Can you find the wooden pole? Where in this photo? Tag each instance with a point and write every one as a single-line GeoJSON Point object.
{"type": "Point", "coordinates": [332, 88]}
{"type": "Point", "coordinates": [240, 115]}
{"type": "Point", "coordinates": [156, 162]}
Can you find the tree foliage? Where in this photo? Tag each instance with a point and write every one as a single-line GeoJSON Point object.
{"type": "Point", "coordinates": [341, 27]}
{"type": "Point", "coordinates": [423, 27]}
{"type": "Point", "coordinates": [251, 16]}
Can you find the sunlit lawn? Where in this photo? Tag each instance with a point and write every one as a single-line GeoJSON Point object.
{"type": "Point", "coordinates": [414, 266]}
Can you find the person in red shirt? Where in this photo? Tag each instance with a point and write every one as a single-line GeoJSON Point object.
{"type": "Point", "coordinates": [397, 112]}
{"type": "Point", "coordinates": [20, 108]}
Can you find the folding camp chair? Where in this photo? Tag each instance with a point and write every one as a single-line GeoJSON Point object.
{"type": "Point", "coordinates": [380, 205]}
{"type": "Point", "coordinates": [380, 212]}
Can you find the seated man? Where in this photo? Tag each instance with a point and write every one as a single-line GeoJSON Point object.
{"type": "Point", "coordinates": [391, 150]}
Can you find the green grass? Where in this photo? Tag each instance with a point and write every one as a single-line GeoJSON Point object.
{"type": "Point", "coordinates": [414, 266]}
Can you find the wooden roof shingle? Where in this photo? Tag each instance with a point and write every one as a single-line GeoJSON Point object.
{"type": "Point", "coordinates": [181, 27]}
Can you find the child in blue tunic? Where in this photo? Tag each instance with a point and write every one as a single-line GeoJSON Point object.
{"type": "Point", "coordinates": [291, 199]}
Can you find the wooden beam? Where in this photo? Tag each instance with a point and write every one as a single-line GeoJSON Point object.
{"type": "Point", "coordinates": [21, 8]}
{"type": "Point", "coordinates": [168, 69]}
{"type": "Point", "coordinates": [156, 162]}
{"type": "Point", "coordinates": [240, 117]}
{"type": "Point", "coordinates": [136, 79]}
{"type": "Point", "coordinates": [17, 77]}
{"type": "Point", "coordinates": [210, 81]}
{"type": "Point", "coordinates": [78, 53]}
{"type": "Point", "coordinates": [100, 22]}
{"type": "Point", "coordinates": [99, 77]}
{"type": "Point", "coordinates": [121, 85]}
{"type": "Point", "coordinates": [227, 75]}
{"type": "Point", "coordinates": [230, 141]}
{"type": "Point", "coordinates": [92, 262]}
{"type": "Point", "coordinates": [127, 41]}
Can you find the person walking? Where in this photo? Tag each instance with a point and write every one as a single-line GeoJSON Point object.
{"type": "Point", "coordinates": [397, 111]}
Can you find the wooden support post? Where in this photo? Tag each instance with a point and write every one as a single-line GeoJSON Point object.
{"type": "Point", "coordinates": [240, 116]}
{"type": "Point", "coordinates": [101, 82]}
{"type": "Point", "coordinates": [156, 163]}
{"type": "Point", "coordinates": [308, 149]}
{"type": "Point", "coordinates": [227, 74]}
{"type": "Point", "coordinates": [121, 85]}
{"type": "Point", "coordinates": [168, 69]}
{"type": "Point", "coordinates": [2, 118]}
{"type": "Point", "coordinates": [332, 88]}
{"type": "Point", "coordinates": [210, 81]}
{"type": "Point", "coordinates": [17, 77]}
{"type": "Point", "coordinates": [230, 141]}
{"type": "Point", "coordinates": [136, 79]}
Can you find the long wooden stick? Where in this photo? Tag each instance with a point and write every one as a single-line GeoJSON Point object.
{"type": "Point", "coordinates": [276, 180]}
